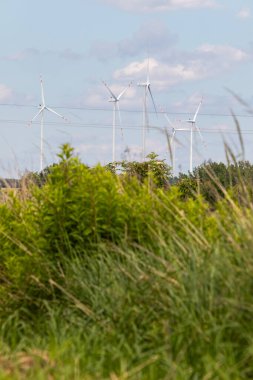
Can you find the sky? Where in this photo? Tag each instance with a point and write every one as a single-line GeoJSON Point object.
{"type": "Point", "coordinates": [194, 49]}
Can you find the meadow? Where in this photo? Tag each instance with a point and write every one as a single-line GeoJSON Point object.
{"type": "Point", "coordinates": [130, 275]}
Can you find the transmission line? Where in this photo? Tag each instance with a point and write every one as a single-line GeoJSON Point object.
{"type": "Point", "coordinates": [135, 127]}
{"type": "Point", "coordinates": [209, 114]}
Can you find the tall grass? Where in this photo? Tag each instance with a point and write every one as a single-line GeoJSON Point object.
{"type": "Point", "coordinates": [106, 278]}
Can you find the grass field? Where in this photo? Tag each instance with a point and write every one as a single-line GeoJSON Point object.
{"type": "Point", "coordinates": [104, 277]}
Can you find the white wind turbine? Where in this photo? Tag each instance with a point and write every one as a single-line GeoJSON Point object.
{"type": "Point", "coordinates": [172, 140]}
{"type": "Point", "coordinates": [43, 108]}
{"type": "Point", "coordinates": [147, 90]}
{"type": "Point", "coordinates": [194, 128]}
{"type": "Point", "coordinates": [115, 100]}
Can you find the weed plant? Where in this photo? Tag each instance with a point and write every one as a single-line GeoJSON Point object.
{"type": "Point", "coordinates": [104, 277]}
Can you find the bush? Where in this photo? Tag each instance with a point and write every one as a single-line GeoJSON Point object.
{"type": "Point", "coordinates": [117, 277]}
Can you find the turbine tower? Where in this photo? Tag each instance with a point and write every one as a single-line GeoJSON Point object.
{"type": "Point", "coordinates": [172, 141]}
{"type": "Point", "coordinates": [194, 128]}
{"type": "Point", "coordinates": [42, 109]}
{"type": "Point", "coordinates": [115, 100]}
{"type": "Point", "coordinates": [147, 91]}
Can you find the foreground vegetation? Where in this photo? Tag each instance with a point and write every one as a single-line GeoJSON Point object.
{"type": "Point", "coordinates": [125, 276]}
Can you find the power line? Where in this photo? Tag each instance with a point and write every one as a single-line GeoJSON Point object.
{"type": "Point", "coordinates": [135, 127]}
{"type": "Point", "coordinates": [249, 115]}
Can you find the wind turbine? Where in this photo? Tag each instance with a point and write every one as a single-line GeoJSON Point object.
{"type": "Point", "coordinates": [147, 91]}
{"type": "Point", "coordinates": [194, 128]}
{"type": "Point", "coordinates": [115, 100]}
{"type": "Point", "coordinates": [42, 109]}
{"type": "Point", "coordinates": [172, 140]}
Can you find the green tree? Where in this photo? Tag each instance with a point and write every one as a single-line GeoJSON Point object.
{"type": "Point", "coordinates": [152, 168]}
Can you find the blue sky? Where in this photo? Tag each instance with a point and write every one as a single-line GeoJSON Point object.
{"type": "Point", "coordinates": [195, 48]}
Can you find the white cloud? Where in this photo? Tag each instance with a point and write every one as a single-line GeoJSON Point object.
{"type": "Point", "coordinates": [228, 52]}
{"type": "Point", "coordinates": [135, 69]}
{"type": "Point", "coordinates": [6, 93]}
{"type": "Point", "coordinates": [160, 5]}
{"type": "Point", "coordinates": [206, 61]}
{"type": "Point", "coordinates": [163, 75]}
{"type": "Point", "coordinates": [22, 55]}
{"type": "Point", "coordinates": [244, 13]}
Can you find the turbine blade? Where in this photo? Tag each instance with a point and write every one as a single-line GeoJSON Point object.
{"type": "Point", "coordinates": [200, 135]}
{"type": "Point", "coordinates": [152, 99]}
{"type": "Point", "coordinates": [197, 111]}
{"type": "Point", "coordinates": [168, 120]}
{"type": "Point", "coordinates": [168, 138]}
{"type": "Point", "coordinates": [183, 129]}
{"type": "Point", "coordinates": [37, 114]}
{"type": "Point", "coordinates": [42, 92]}
{"type": "Point", "coordinates": [122, 93]}
{"type": "Point", "coordinates": [56, 113]}
{"type": "Point", "coordinates": [110, 91]}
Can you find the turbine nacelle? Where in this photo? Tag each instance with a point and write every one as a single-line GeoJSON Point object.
{"type": "Point", "coordinates": [144, 84]}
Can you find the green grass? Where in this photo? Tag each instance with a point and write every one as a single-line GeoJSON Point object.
{"type": "Point", "coordinates": [107, 278]}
